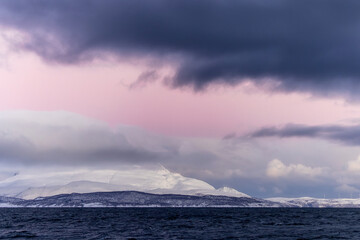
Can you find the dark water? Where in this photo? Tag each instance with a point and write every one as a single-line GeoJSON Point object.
{"type": "Point", "coordinates": [179, 223]}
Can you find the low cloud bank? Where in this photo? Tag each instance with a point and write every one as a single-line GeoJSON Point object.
{"type": "Point", "coordinates": [69, 146]}
{"type": "Point", "coordinates": [277, 169]}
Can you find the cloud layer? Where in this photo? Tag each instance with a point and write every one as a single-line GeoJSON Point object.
{"type": "Point", "coordinates": [69, 139]}
{"type": "Point", "coordinates": [277, 169]}
{"type": "Point", "coordinates": [349, 135]}
{"type": "Point", "coordinates": [63, 142]}
{"type": "Point", "coordinates": [299, 45]}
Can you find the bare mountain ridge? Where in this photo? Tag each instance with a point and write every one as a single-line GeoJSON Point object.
{"type": "Point", "coordinates": [136, 199]}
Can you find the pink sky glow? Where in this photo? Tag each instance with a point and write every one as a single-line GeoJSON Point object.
{"type": "Point", "coordinates": [99, 90]}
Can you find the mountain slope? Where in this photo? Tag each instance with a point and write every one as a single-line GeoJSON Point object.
{"type": "Point", "coordinates": [318, 202]}
{"type": "Point", "coordinates": [136, 199]}
{"type": "Point", "coordinates": [28, 185]}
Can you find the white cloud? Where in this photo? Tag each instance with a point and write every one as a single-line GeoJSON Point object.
{"type": "Point", "coordinates": [277, 168]}
{"type": "Point", "coordinates": [70, 139]}
{"type": "Point", "coordinates": [354, 166]}
{"type": "Point", "coordinates": [347, 189]}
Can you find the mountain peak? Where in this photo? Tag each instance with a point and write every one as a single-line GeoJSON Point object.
{"type": "Point", "coordinates": [29, 185]}
{"type": "Point", "coordinates": [232, 192]}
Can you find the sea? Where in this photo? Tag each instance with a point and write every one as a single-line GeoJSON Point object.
{"type": "Point", "coordinates": [179, 223]}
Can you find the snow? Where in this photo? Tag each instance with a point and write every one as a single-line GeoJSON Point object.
{"type": "Point", "coordinates": [31, 185]}
{"type": "Point", "coordinates": [231, 192]}
{"type": "Point", "coordinates": [318, 202]}
{"type": "Point", "coordinates": [7, 205]}
{"type": "Point", "coordinates": [93, 205]}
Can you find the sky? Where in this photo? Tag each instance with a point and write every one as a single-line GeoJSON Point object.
{"type": "Point", "coordinates": [261, 96]}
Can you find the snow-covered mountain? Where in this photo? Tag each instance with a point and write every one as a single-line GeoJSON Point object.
{"type": "Point", "coordinates": [135, 186]}
{"type": "Point", "coordinates": [318, 202]}
{"type": "Point", "coordinates": [135, 199]}
{"type": "Point", "coordinates": [31, 185]}
{"type": "Point", "coordinates": [141, 199]}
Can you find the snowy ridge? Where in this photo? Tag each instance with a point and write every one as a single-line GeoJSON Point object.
{"type": "Point", "coordinates": [136, 199]}
{"type": "Point", "coordinates": [318, 202]}
{"type": "Point", "coordinates": [28, 185]}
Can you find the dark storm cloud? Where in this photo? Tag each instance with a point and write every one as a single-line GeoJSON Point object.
{"type": "Point", "coordinates": [348, 135]}
{"type": "Point", "coordinates": [306, 45]}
